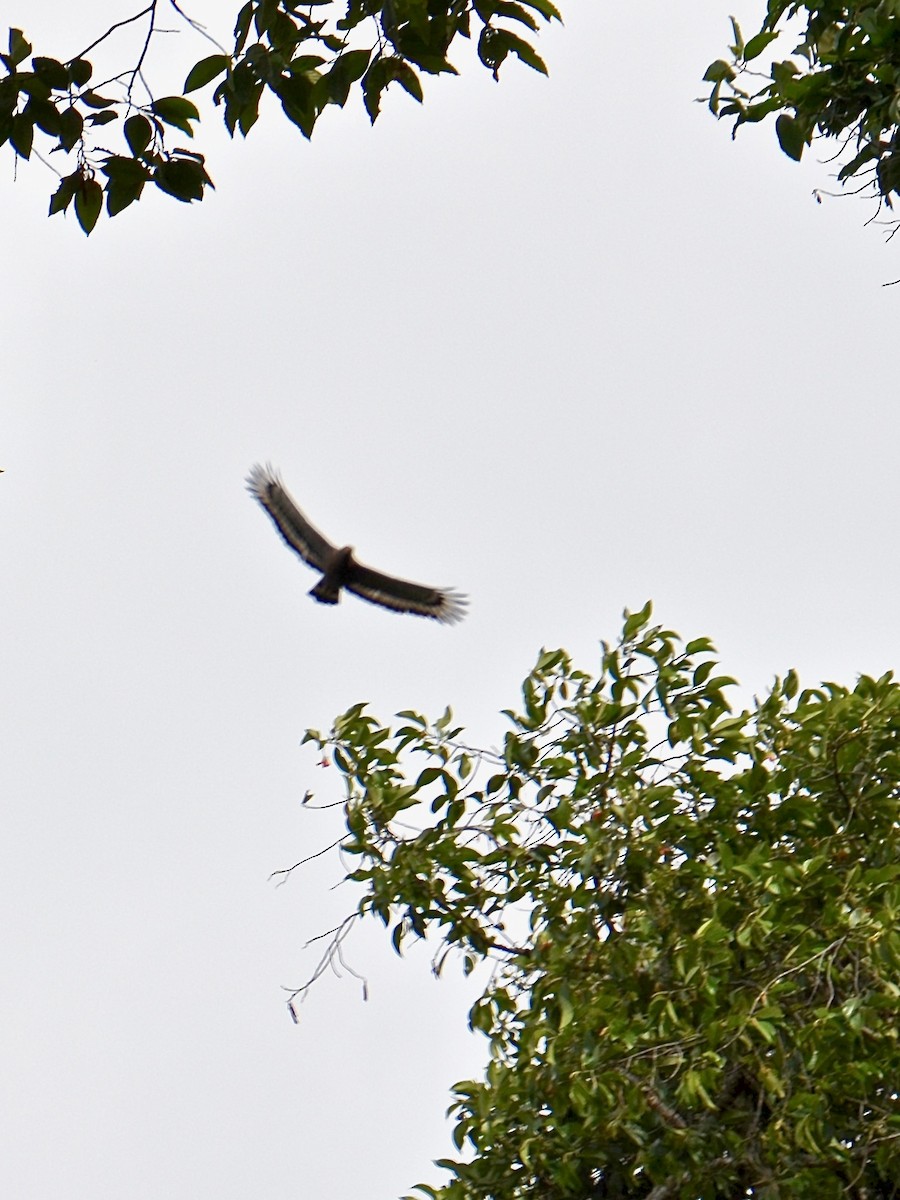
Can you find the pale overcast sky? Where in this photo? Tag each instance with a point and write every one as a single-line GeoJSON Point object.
{"type": "Point", "coordinates": [559, 343]}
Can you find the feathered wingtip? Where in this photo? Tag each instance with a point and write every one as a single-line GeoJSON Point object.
{"type": "Point", "coordinates": [453, 607]}
{"type": "Point", "coordinates": [260, 479]}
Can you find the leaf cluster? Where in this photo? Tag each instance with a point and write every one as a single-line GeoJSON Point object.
{"type": "Point", "coordinates": [691, 915]}
{"type": "Point", "coordinates": [56, 99]}
{"type": "Point", "coordinates": [840, 82]}
{"type": "Point", "coordinates": [308, 57]}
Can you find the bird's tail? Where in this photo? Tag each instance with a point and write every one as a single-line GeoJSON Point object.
{"type": "Point", "coordinates": [326, 591]}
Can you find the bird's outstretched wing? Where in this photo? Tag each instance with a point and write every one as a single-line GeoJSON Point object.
{"type": "Point", "coordinates": [403, 596]}
{"type": "Point", "coordinates": [265, 485]}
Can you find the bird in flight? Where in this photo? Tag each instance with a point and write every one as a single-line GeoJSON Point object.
{"type": "Point", "coordinates": [338, 566]}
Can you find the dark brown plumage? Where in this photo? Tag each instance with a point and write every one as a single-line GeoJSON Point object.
{"type": "Point", "coordinates": [338, 566]}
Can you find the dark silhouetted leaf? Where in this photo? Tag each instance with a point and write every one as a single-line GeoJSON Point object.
{"type": "Point", "coordinates": [71, 127]}
{"type": "Point", "coordinates": [45, 115]}
{"type": "Point", "coordinates": [93, 100]}
{"type": "Point", "coordinates": [19, 49]}
{"type": "Point", "coordinates": [176, 111]}
{"type": "Point", "coordinates": [205, 71]}
{"type": "Point", "coordinates": [53, 73]}
{"type": "Point", "coordinates": [22, 136]}
{"type": "Point", "coordinates": [757, 44]}
{"type": "Point", "coordinates": [790, 136]}
{"type": "Point", "coordinates": [182, 178]}
{"type": "Point", "coordinates": [345, 71]}
{"type": "Point", "coordinates": [138, 134]}
{"type": "Point", "coordinates": [88, 203]}
{"type": "Point", "coordinates": [65, 193]}
{"type": "Point", "coordinates": [80, 71]}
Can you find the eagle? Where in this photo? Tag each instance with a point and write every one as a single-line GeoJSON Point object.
{"type": "Point", "coordinates": [338, 566]}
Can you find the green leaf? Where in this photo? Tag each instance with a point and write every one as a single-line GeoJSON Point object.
{"type": "Point", "coordinates": [546, 9]}
{"type": "Point", "coordinates": [249, 114]}
{"type": "Point", "coordinates": [176, 111]}
{"type": "Point", "coordinates": [19, 49]}
{"type": "Point", "coordinates": [888, 174]}
{"type": "Point", "coordinates": [738, 46]}
{"type": "Point", "coordinates": [790, 136]}
{"type": "Point", "coordinates": [182, 178]}
{"type": "Point", "coordinates": [122, 171]}
{"type": "Point", "coordinates": [492, 49]}
{"type": "Point", "coordinates": [869, 151]}
{"type": "Point", "coordinates": [93, 100]}
{"type": "Point", "coordinates": [242, 27]}
{"type": "Point", "coordinates": [103, 118]}
{"type": "Point", "coordinates": [296, 95]}
{"type": "Point", "coordinates": [138, 134]}
{"type": "Point", "coordinates": [566, 1013]}
{"type": "Point", "coordinates": [53, 73]}
{"type": "Point", "coordinates": [408, 79]}
{"type": "Point", "coordinates": [22, 136]}
{"type": "Point", "coordinates": [345, 71]}
{"type": "Point", "coordinates": [428, 775]}
{"type": "Point", "coordinates": [397, 937]}
{"type": "Point", "coordinates": [79, 71]}
{"type": "Point", "coordinates": [241, 92]}
{"type": "Point", "coordinates": [382, 72]}
{"type": "Point", "coordinates": [718, 71]}
{"type": "Point", "coordinates": [45, 115]}
{"type": "Point", "coordinates": [514, 12]}
{"type": "Point", "coordinates": [283, 33]}
{"type": "Point", "coordinates": [120, 195]}
{"type": "Point", "coordinates": [757, 44]}
{"type": "Point", "coordinates": [65, 193]}
{"type": "Point", "coordinates": [32, 85]}
{"type": "Point", "coordinates": [636, 621]}
{"type": "Point", "coordinates": [205, 71]}
{"type": "Point", "coordinates": [71, 127]}
{"type": "Point", "coordinates": [88, 204]}
{"type": "Point", "coordinates": [374, 83]}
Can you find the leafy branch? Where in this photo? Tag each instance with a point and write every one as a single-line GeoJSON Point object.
{"type": "Point", "coordinates": [690, 915]}
{"type": "Point", "coordinates": [840, 82]}
{"type": "Point", "coordinates": [308, 57]}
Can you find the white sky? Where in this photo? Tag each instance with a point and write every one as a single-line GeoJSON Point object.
{"type": "Point", "coordinates": [559, 343]}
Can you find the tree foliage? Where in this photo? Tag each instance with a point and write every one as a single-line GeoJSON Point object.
{"type": "Point", "coordinates": [308, 57]}
{"type": "Point", "coordinates": [841, 82]}
{"type": "Point", "coordinates": [692, 916]}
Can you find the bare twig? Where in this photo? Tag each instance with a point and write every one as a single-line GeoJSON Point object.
{"type": "Point", "coordinates": [118, 25]}
{"type": "Point", "coordinates": [333, 952]}
{"type": "Point", "coordinates": [197, 27]}
{"type": "Point", "coordinates": [285, 871]}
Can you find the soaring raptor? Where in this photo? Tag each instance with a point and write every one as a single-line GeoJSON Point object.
{"type": "Point", "coordinates": [338, 566]}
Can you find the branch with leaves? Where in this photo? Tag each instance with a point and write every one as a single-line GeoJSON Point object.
{"type": "Point", "coordinates": [308, 57]}
{"type": "Point", "coordinates": [840, 83]}
{"type": "Point", "coordinates": [691, 916]}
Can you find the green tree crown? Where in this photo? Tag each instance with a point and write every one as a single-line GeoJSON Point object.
{"type": "Point", "coordinates": [840, 83]}
{"type": "Point", "coordinates": [692, 916]}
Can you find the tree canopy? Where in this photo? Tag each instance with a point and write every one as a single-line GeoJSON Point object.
{"type": "Point", "coordinates": [691, 915]}
{"type": "Point", "coordinates": [308, 56]}
{"type": "Point", "coordinates": [840, 82]}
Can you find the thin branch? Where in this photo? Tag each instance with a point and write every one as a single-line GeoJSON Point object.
{"type": "Point", "coordinates": [655, 1101]}
{"type": "Point", "coordinates": [140, 62]}
{"type": "Point", "coordinates": [197, 27]}
{"type": "Point", "coordinates": [285, 871]}
{"type": "Point", "coordinates": [118, 25]}
{"type": "Point", "coordinates": [332, 953]}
